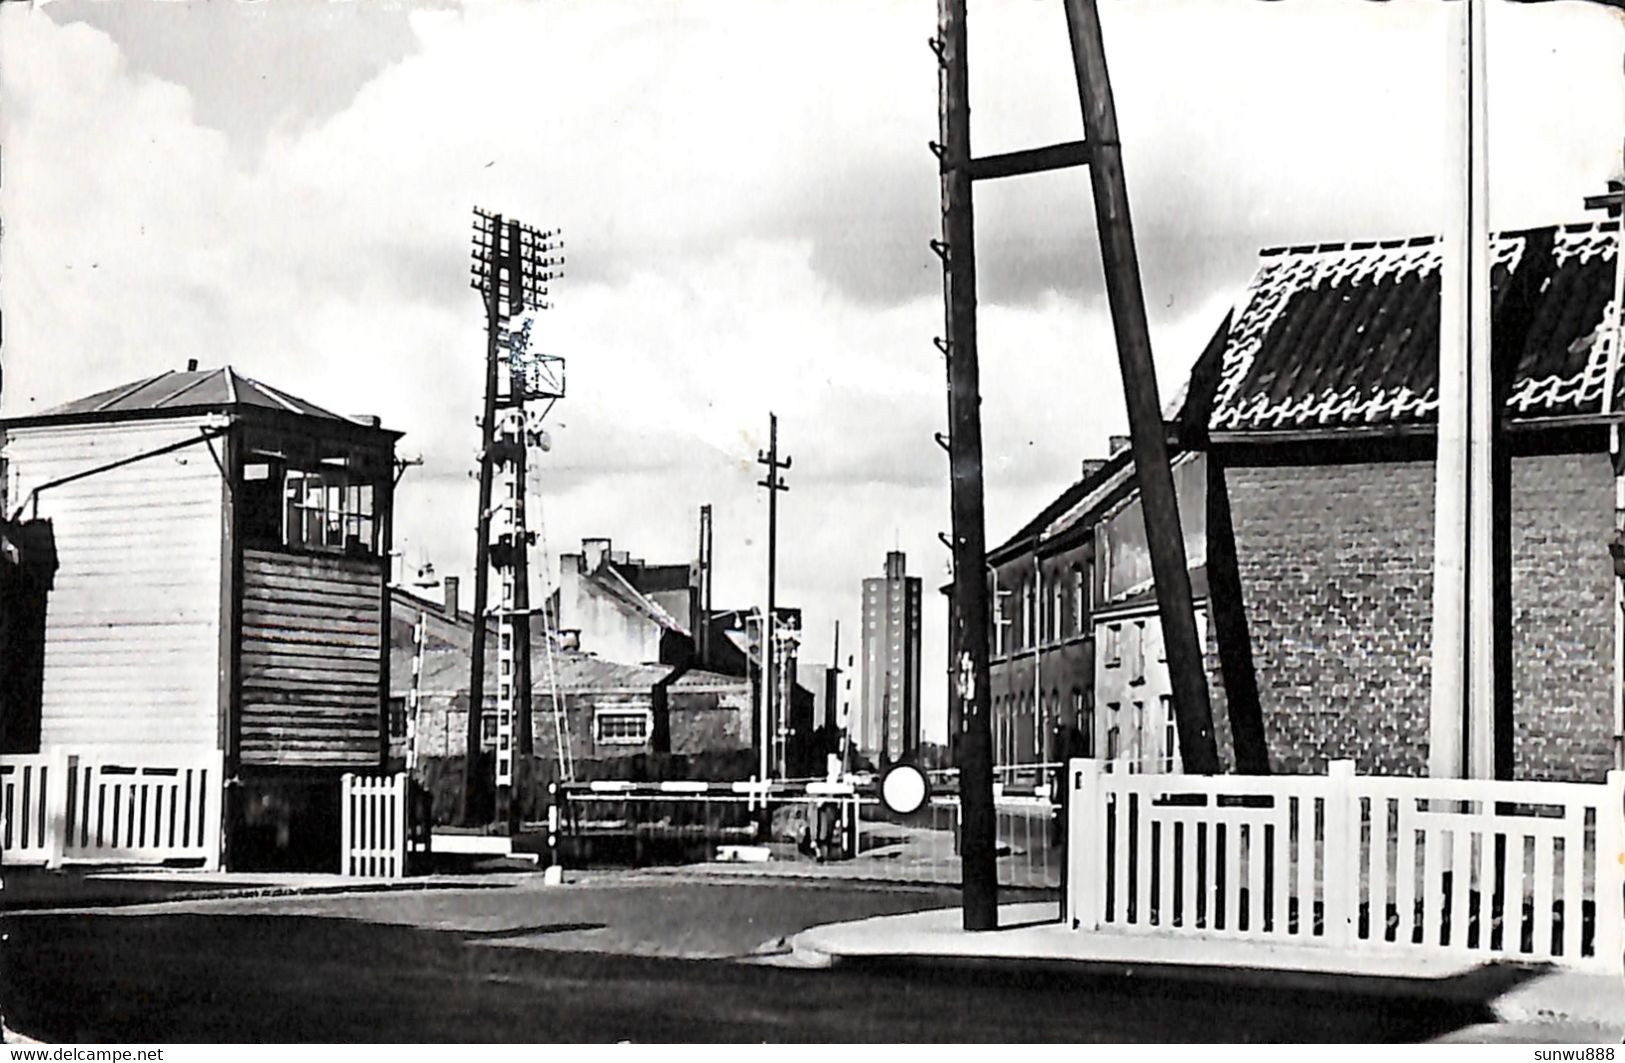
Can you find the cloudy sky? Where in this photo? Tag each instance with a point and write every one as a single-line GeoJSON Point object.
{"type": "Point", "coordinates": [747, 196]}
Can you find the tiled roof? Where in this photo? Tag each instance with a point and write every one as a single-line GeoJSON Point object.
{"type": "Point", "coordinates": [202, 388]}
{"type": "Point", "coordinates": [1347, 335]}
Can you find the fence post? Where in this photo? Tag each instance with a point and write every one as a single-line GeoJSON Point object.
{"type": "Point", "coordinates": [399, 843]}
{"type": "Point", "coordinates": [58, 820]}
{"type": "Point", "coordinates": [1084, 863]}
{"type": "Point", "coordinates": [214, 802]}
{"type": "Point", "coordinates": [1610, 864]}
{"type": "Point", "coordinates": [1342, 856]}
{"type": "Point", "coordinates": [346, 825]}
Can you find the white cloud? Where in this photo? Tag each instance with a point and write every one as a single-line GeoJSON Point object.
{"type": "Point", "coordinates": [747, 196]}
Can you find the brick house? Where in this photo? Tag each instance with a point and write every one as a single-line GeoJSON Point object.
{"type": "Point", "coordinates": [1315, 405]}
{"type": "Point", "coordinates": [1304, 467]}
{"type": "Point", "coordinates": [1076, 644]}
{"type": "Point", "coordinates": [1043, 582]}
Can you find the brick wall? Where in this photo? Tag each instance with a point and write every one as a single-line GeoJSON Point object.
{"type": "Point", "coordinates": [1562, 617]}
{"type": "Point", "coordinates": [1335, 565]}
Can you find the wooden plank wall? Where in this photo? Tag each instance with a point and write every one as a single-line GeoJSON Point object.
{"type": "Point", "coordinates": [312, 633]}
{"type": "Point", "coordinates": [132, 638]}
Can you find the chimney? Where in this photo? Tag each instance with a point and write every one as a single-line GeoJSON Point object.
{"type": "Point", "coordinates": [451, 595]}
{"type": "Point", "coordinates": [594, 552]}
{"type": "Point", "coordinates": [1091, 466]}
{"type": "Point", "coordinates": [191, 365]}
{"type": "Point", "coordinates": [1117, 445]}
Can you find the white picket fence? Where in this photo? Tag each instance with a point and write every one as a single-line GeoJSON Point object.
{"type": "Point", "coordinates": [33, 809]}
{"type": "Point", "coordinates": [375, 828]}
{"type": "Point", "coordinates": [66, 806]}
{"type": "Point", "coordinates": [1524, 871]}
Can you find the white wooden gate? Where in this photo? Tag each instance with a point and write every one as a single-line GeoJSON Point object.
{"type": "Point", "coordinates": [375, 827]}
{"type": "Point", "coordinates": [1526, 871]}
{"type": "Point", "coordinates": [123, 810]}
{"type": "Point", "coordinates": [33, 808]}
{"type": "Point", "coordinates": [110, 806]}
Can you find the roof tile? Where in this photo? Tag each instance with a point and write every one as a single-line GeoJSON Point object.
{"type": "Point", "coordinates": [1333, 336]}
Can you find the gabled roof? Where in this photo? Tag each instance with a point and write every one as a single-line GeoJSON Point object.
{"type": "Point", "coordinates": [182, 391]}
{"type": "Point", "coordinates": [1105, 475]}
{"type": "Point", "coordinates": [1347, 335]}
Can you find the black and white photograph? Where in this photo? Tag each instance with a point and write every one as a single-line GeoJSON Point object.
{"type": "Point", "coordinates": [539, 522]}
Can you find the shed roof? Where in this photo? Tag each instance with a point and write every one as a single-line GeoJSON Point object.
{"type": "Point", "coordinates": [176, 391]}
{"type": "Point", "coordinates": [1347, 335]}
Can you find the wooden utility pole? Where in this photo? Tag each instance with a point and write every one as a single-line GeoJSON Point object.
{"type": "Point", "coordinates": [524, 737]}
{"type": "Point", "coordinates": [774, 483]}
{"type": "Point", "coordinates": [968, 647]}
{"type": "Point", "coordinates": [702, 622]}
{"type": "Point", "coordinates": [473, 777]}
{"type": "Point", "coordinates": [1147, 431]}
{"type": "Point", "coordinates": [968, 690]}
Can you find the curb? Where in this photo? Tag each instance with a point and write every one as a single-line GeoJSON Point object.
{"type": "Point", "coordinates": [251, 893]}
{"type": "Point", "coordinates": [1520, 1005]}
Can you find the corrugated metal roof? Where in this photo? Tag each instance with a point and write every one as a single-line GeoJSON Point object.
{"type": "Point", "coordinates": [178, 390]}
{"type": "Point", "coordinates": [1346, 335]}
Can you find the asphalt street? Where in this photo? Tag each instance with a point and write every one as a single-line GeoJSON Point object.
{"type": "Point", "coordinates": [651, 958]}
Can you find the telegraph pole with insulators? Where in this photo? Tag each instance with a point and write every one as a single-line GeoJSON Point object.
{"type": "Point", "coordinates": [774, 482]}
{"type": "Point", "coordinates": [513, 264]}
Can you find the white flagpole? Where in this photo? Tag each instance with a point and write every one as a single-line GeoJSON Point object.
{"type": "Point", "coordinates": [1461, 646]}
{"type": "Point", "coordinates": [1450, 468]}
{"type": "Point", "coordinates": [1482, 415]}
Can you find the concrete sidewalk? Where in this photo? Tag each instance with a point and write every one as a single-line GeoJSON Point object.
{"type": "Point", "coordinates": [1539, 1000]}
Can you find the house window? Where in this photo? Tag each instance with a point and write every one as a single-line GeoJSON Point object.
{"type": "Point", "coordinates": [1113, 649]}
{"type": "Point", "coordinates": [397, 717]}
{"type": "Point", "coordinates": [1083, 717]}
{"type": "Point", "coordinates": [1084, 593]}
{"type": "Point", "coordinates": [621, 727]}
{"type": "Point", "coordinates": [1114, 731]}
{"type": "Point", "coordinates": [1139, 739]}
{"type": "Point", "coordinates": [1170, 737]}
{"type": "Point", "coordinates": [1057, 622]}
{"type": "Point", "coordinates": [1136, 652]}
{"type": "Point", "coordinates": [1029, 615]}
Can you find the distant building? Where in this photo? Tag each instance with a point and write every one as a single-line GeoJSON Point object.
{"type": "Point", "coordinates": [622, 608]}
{"type": "Point", "coordinates": [889, 722]}
{"type": "Point", "coordinates": [1075, 664]}
{"type": "Point", "coordinates": [819, 680]}
{"type": "Point", "coordinates": [609, 709]}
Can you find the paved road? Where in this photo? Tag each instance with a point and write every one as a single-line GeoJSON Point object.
{"type": "Point", "coordinates": [643, 958]}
